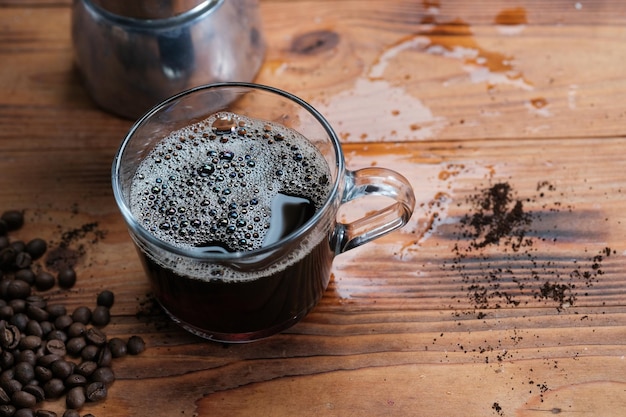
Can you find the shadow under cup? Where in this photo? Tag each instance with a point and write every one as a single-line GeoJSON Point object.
{"type": "Point", "coordinates": [247, 295]}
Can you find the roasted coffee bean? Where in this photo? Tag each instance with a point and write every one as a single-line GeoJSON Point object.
{"type": "Point", "coordinates": [24, 372]}
{"type": "Point", "coordinates": [66, 278]}
{"type": "Point", "coordinates": [3, 231]}
{"type": "Point", "coordinates": [27, 356]}
{"type": "Point", "coordinates": [46, 360]}
{"type": "Point", "coordinates": [18, 245]}
{"type": "Point", "coordinates": [18, 305]}
{"type": "Point", "coordinates": [17, 289]}
{"type": "Point", "coordinates": [104, 356]}
{"type": "Point", "coordinates": [36, 300]}
{"type": "Point", "coordinates": [6, 312]}
{"type": "Point", "coordinates": [24, 412]}
{"type": "Point", "coordinates": [75, 345]}
{"type": "Point", "coordinates": [56, 310]}
{"type": "Point", "coordinates": [7, 410]}
{"type": "Point", "coordinates": [89, 415]}
{"type": "Point", "coordinates": [75, 398]}
{"type": "Point", "coordinates": [106, 299]}
{"type": "Point", "coordinates": [96, 391]}
{"type": "Point", "coordinates": [100, 316]}
{"type": "Point", "coordinates": [9, 336]}
{"type": "Point", "coordinates": [43, 374]}
{"type": "Point", "coordinates": [6, 359]}
{"type": "Point", "coordinates": [26, 275]}
{"type": "Point", "coordinates": [56, 347]}
{"type": "Point", "coordinates": [46, 327]}
{"type": "Point", "coordinates": [23, 260]}
{"type": "Point", "coordinates": [37, 313]}
{"type": "Point", "coordinates": [36, 391]}
{"type": "Point", "coordinates": [62, 369]}
{"type": "Point", "coordinates": [75, 380]}
{"type": "Point", "coordinates": [90, 353]}
{"type": "Point", "coordinates": [45, 413]}
{"type": "Point", "coordinates": [63, 322]}
{"type": "Point", "coordinates": [4, 397]}
{"type": "Point", "coordinates": [33, 327]}
{"type": "Point", "coordinates": [58, 335]}
{"type": "Point", "coordinates": [95, 336]}
{"type": "Point", "coordinates": [54, 388]}
{"type": "Point", "coordinates": [19, 320]}
{"type": "Point", "coordinates": [71, 413]}
{"type": "Point", "coordinates": [76, 329]}
{"type": "Point", "coordinates": [30, 342]}
{"type": "Point", "coordinates": [22, 399]}
{"type": "Point", "coordinates": [118, 347]}
{"type": "Point", "coordinates": [11, 386]}
{"type": "Point", "coordinates": [103, 374]}
{"type": "Point", "coordinates": [36, 248]}
{"type": "Point", "coordinates": [86, 368]}
{"type": "Point", "coordinates": [82, 314]}
{"type": "Point", "coordinates": [7, 257]}
{"type": "Point", "coordinates": [6, 375]}
{"type": "Point", "coordinates": [44, 281]}
{"type": "Point", "coordinates": [135, 345]}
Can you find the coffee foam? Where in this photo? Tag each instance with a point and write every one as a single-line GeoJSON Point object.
{"type": "Point", "coordinates": [213, 182]}
{"type": "Point", "coordinates": [207, 271]}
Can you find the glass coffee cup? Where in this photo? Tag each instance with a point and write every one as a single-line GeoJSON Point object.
{"type": "Point", "coordinates": [230, 192]}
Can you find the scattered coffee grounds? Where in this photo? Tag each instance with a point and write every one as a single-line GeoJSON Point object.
{"type": "Point", "coordinates": [65, 254]}
{"type": "Point", "coordinates": [496, 256]}
{"type": "Point", "coordinates": [504, 255]}
{"type": "Point", "coordinates": [46, 352]}
{"type": "Point", "coordinates": [496, 217]}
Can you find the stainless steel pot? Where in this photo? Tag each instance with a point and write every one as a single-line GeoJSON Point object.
{"type": "Point", "coordinates": [134, 54]}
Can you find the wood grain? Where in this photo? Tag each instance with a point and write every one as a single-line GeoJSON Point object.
{"type": "Point", "coordinates": [458, 96]}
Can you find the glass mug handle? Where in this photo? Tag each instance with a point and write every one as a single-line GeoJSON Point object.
{"type": "Point", "coordinates": [374, 181]}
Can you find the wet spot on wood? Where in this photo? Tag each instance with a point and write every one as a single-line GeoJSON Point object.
{"type": "Point", "coordinates": [515, 16]}
{"type": "Point", "coordinates": [539, 102]}
{"type": "Point", "coordinates": [315, 42]}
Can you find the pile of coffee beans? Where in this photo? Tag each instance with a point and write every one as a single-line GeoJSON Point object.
{"type": "Point", "coordinates": [46, 351]}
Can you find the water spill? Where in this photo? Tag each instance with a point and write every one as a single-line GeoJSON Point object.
{"type": "Point", "coordinates": [511, 22]}
{"type": "Point", "coordinates": [455, 40]}
{"type": "Point", "coordinates": [390, 113]}
{"type": "Point", "coordinates": [347, 289]}
{"type": "Point", "coordinates": [436, 208]}
{"type": "Point", "coordinates": [510, 17]}
{"type": "Point", "coordinates": [377, 69]}
{"type": "Point", "coordinates": [539, 102]}
{"type": "Point", "coordinates": [538, 106]}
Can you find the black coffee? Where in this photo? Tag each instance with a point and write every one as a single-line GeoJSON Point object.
{"type": "Point", "coordinates": [234, 184]}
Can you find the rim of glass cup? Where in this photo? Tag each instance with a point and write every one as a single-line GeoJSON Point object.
{"type": "Point", "coordinates": [212, 256]}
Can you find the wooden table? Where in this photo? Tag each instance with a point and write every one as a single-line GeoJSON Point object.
{"type": "Point", "coordinates": [526, 100]}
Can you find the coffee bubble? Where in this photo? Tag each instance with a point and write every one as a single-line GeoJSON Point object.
{"type": "Point", "coordinates": [229, 184]}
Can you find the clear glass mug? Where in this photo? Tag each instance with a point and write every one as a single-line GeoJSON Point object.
{"type": "Point", "coordinates": [245, 295]}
